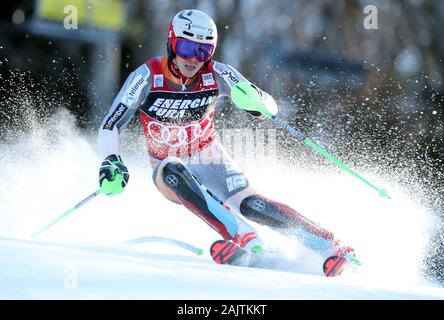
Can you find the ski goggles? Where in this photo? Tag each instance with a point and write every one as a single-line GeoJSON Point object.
{"type": "Point", "coordinates": [187, 49]}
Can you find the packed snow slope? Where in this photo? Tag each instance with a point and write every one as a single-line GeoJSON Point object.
{"type": "Point", "coordinates": [83, 256]}
{"type": "Point", "coordinates": [33, 270]}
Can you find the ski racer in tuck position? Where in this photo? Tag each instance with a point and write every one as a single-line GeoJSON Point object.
{"type": "Point", "coordinates": [175, 96]}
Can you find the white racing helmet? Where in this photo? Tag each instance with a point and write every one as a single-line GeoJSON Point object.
{"type": "Point", "coordinates": [196, 26]}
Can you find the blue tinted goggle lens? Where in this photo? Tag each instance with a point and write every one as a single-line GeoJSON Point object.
{"type": "Point", "coordinates": [188, 49]}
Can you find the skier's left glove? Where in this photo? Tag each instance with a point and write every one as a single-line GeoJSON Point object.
{"type": "Point", "coordinates": [256, 102]}
{"type": "Point", "coordinates": [113, 175]}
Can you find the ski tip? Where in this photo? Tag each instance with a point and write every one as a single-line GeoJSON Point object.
{"type": "Point", "coordinates": [333, 266]}
{"type": "Point", "coordinates": [216, 247]}
{"type": "Point", "coordinates": [199, 251]}
{"type": "Point", "coordinates": [224, 252]}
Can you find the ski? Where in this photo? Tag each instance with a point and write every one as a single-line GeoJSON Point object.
{"type": "Point", "coordinates": [228, 253]}
{"type": "Point", "coordinates": [225, 252]}
{"type": "Point", "coordinates": [334, 266]}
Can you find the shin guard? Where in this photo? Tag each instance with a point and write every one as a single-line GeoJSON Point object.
{"type": "Point", "coordinates": [200, 201]}
{"type": "Point", "coordinates": [280, 216]}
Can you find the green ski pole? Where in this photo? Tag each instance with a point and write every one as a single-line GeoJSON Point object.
{"type": "Point", "coordinates": [81, 203]}
{"type": "Point", "coordinates": [246, 96]}
{"type": "Point", "coordinates": [314, 146]}
{"type": "Point", "coordinates": [107, 187]}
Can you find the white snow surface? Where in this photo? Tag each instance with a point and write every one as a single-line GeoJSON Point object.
{"type": "Point", "coordinates": [83, 256]}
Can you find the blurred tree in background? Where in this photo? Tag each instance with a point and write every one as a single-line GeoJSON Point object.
{"type": "Point", "coordinates": [358, 91]}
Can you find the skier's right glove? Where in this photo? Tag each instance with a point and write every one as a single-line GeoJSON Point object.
{"type": "Point", "coordinates": [113, 175]}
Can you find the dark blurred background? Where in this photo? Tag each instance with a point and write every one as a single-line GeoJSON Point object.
{"type": "Point", "coordinates": [365, 93]}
